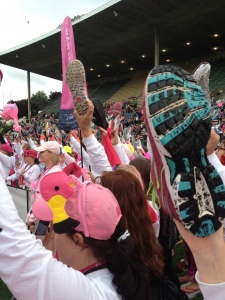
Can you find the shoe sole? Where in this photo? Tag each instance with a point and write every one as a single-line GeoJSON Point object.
{"type": "Point", "coordinates": [99, 118]}
{"type": "Point", "coordinates": [75, 78]}
{"type": "Point", "coordinates": [179, 126]}
{"type": "Point", "coordinates": [115, 109]}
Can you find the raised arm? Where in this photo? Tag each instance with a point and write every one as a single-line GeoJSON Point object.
{"type": "Point", "coordinates": [98, 158]}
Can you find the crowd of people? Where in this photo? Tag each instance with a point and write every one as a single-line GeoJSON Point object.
{"type": "Point", "coordinates": [19, 146]}
{"type": "Point", "coordinates": [114, 212]}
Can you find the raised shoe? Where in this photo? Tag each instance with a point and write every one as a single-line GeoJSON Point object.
{"type": "Point", "coordinates": [177, 117]}
{"type": "Point", "coordinates": [75, 78]}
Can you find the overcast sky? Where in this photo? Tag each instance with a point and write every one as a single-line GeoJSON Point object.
{"type": "Point", "coordinates": [24, 20]}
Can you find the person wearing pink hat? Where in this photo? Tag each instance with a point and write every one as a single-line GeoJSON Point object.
{"type": "Point", "coordinates": [29, 171]}
{"type": "Point", "coordinates": [6, 159]}
{"type": "Point", "coordinates": [90, 237]}
{"type": "Point", "coordinates": [6, 149]}
{"type": "Point", "coordinates": [49, 154]}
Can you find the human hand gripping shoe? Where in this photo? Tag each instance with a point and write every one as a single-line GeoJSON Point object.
{"type": "Point", "coordinates": [84, 121]}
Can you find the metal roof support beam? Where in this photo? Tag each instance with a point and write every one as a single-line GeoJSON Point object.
{"type": "Point", "coordinates": [156, 48]}
{"type": "Point", "coordinates": [28, 95]}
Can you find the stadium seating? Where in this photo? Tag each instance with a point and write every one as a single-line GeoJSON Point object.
{"type": "Point", "coordinates": [121, 90]}
{"type": "Point", "coordinates": [217, 75]}
{"type": "Point", "coordinates": [105, 91]}
{"type": "Point", "coordinates": [53, 106]}
{"type": "Point", "coordinates": [133, 90]}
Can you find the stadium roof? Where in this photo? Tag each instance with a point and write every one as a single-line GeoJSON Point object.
{"type": "Point", "coordinates": [124, 30]}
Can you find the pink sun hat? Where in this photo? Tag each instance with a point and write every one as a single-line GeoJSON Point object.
{"type": "Point", "coordinates": [6, 147]}
{"type": "Point", "coordinates": [91, 206]}
{"type": "Point", "coordinates": [30, 153]}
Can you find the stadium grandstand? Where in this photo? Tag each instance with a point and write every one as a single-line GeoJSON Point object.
{"type": "Point", "coordinates": [122, 40]}
{"type": "Point", "coordinates": [131, 89]}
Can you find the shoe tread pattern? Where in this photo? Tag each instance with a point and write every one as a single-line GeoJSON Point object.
{"type": "Point", "coordinates": [75, 78]}
{"type": "Point", "coordinates": [180, 115]}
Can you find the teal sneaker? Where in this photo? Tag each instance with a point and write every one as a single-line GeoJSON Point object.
{"type": "Point", "coordinates": [177, 117]}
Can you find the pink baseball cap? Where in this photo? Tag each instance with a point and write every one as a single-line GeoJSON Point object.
{"type": "Point", "coordinates": [93, 208]}
{"type": "Point", "coordinates": [7, 148]}
{"type": "Point", "coordinates": [31, 153]}
{"type": "Point", "coordinates": [52, 146]}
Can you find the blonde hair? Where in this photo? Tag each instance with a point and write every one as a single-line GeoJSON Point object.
{"type": "Point", "coordinates": [26, 147]}
{"type": "Point", "coordinates": [55, 158]}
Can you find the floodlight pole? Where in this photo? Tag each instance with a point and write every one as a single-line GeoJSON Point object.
{"type": "Point", "coordinates": [156, 48]}
{"type": "Point", "coordinates": [28, 94]}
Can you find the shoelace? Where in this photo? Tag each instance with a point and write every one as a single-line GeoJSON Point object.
{"type": "Point", "coordinates": [152, 190]}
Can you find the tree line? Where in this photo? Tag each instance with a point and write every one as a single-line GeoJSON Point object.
{"type": "Point", "coordinates": [38, 101]}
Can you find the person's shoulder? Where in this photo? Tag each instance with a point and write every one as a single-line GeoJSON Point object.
{"type": "Point", "coordinates": [36, 166]}
{"type": "Point", "coordinates": [56, 168]}
{"type": "Point", "coordinates": [102, 279]}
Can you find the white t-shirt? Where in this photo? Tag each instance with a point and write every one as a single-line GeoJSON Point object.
{"type": "Point", "coordinates": [7, 163]}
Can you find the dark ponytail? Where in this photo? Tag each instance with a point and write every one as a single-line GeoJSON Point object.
{"type": "Point", "coordinates": [130, 274]}
{"type": "Point", "coordinates": [133, 279]}
{"type": "Point", "coordinates": [123, 260]}
{"type": "Point", "coordinates": [36, 161]}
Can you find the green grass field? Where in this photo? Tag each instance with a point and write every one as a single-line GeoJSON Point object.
{"type": "Point", "coordinates": [178, 254]}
